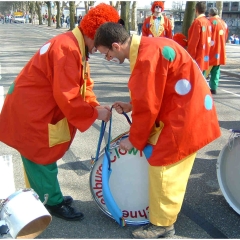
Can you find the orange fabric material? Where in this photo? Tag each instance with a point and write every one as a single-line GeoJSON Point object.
{"type": "Point", "coordinates": [46, 91]}
{"type": "Point", "coordinates": [157, 3]}
{"type": "Point", "coordinates": [219, 38]}
{"type": "Point", "coordinates": [166, 85]}
{"type": "Point", "coordinates": [199, 39]}
{"type": "Point", "coordinates": [167, 28]}
{"type": "Point", "coordinates": [97, 16]}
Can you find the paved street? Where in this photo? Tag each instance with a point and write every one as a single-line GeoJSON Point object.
{"type": "Point", "coordinates": [205, 212]}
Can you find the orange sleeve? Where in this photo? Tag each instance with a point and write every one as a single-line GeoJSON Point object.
{"type": "Point", "coordinates": [168, 28]}
{"type": "Point", "coordinates": [193, 38]}
{"type": "Point", "coordinates": [147, 89]}
{"type": "Point", "coordinates": [145, 29]}
{"type": "Point", "coordinates": [67, 83]}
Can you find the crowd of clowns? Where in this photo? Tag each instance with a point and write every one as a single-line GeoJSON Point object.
{"type": "Point", "coordinates": [171, 104]}
{"type": "Point", "coordinates": [206, 40]}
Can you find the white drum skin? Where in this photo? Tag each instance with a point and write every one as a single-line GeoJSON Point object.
{"type": "Point", "coordinates": [128, 183]}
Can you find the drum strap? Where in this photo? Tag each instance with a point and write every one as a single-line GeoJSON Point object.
{"type": "Point", "coordinates": [106, 173]}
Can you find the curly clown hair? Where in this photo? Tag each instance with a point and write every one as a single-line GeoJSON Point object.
{"type": "Point", "coordinates": [157, 3]}
{"type": "Point", "coordinates": [97, 16]}
{"type": "Point", "coordinates": [181, 39]}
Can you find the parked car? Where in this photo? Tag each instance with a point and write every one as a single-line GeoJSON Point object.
{"type": "Point", "coordinates": [19, 19]}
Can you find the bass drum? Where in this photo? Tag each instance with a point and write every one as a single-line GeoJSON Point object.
{"type": "Point", "coordinates": [228, 173]}
{"type": "Point", "coordinates": [128, 184]}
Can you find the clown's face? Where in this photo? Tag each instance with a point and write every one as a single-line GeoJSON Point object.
{"type": "Point", "coordinates": [157, 9]}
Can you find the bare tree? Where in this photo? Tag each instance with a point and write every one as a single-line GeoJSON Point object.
{"type": "Point", "coordinates": [134, 14]}
{"type": "Point", "coordinates": [39, 12]}
{"type": "Point", "coordinates": [58, 14]}
{"type": "Point", "coordinates": [87, 5]}
{"type": "Point", "coordinates": [125, 13]}
{"type": "Point", "coordinates": [49, 13]}
{"type": "Point", "coordinates": [219, 5]}
{"type": "Point", "coordinates": [188, 16]}
{"type": "Point", "coordinates": [117, 4]}
{"type": "Point", "coordinates": [72, 10]}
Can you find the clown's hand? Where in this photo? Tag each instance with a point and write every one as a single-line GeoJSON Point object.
{"type": "Point", "coordinates": [121, 107]}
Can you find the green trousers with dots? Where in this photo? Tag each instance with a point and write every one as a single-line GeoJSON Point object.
{"type": "Point", "coordinates": [43, 180]}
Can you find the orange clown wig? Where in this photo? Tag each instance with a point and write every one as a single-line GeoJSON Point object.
{"type": "Point", "coordinates": [97, 16]}
{"type": "Point", "coordinates": [181, 39]}
{"type": "Point", "coordinates": [157, 3]}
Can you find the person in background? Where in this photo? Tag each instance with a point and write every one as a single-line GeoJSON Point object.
{"type": "Point", "coordinates": [171, 107]}
{"type": "Point", "coordinates": [140, 20]}
{"type": "Point", "coordinates": [218, 49]}
{"type": "Point", "coordinates": [58, 100]}
{"type": "Point", "coordinates": [157, 25]}
{"type": "Point", "coordinates": [199, 37]}
{"type": "Point", "coordinates": [62, 20]}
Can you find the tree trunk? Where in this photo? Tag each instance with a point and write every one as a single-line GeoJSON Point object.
{"type": "Point", "coordinates": [219, 5]}
{"type": "Point", "coordinates": [49, 13]}
{"type": "Point", "coordinates": [134, 14]}
{"type": "Point", "coordinates": [72, 14]}
{"type": "Point", "coordinates": [125, 14]}
{"type": "Point", "coordinates": [39, 13]}
{"type": "Point", "coordinates": [58, 15]}
{"type": "Point", "coordinates": [188, 16]}
{"type": "Point", "coordinates": [86, 6]}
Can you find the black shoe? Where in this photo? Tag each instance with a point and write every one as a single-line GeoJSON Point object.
{"type": "Point", "coordinates": [65, 212]}
{"type": "Point", "coordinates": [213, 91]}
{"type": "Point", "coordinates": [67, 200]}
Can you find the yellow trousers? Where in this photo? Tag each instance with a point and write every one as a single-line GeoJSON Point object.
{"type": "Point", "coordinates": [167, 187]}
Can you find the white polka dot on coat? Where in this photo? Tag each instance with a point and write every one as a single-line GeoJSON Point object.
{"type": "Point", "coordinates": [44, 48]}
{"type": "Point", "coordinates": [183, 87]}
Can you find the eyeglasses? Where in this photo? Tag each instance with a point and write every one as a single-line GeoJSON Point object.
{"type": "Point", "coordinates": [106, 55]}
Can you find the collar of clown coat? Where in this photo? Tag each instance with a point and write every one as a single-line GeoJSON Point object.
{"type": "Point", "coordinates": [78, 35]}
{"type": "Point", "coordinates": [134, 50]}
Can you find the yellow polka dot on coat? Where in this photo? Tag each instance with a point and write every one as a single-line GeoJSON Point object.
{"type": "Point", "coordinates": [44, 48]}
{"type": "Point", "coordinates": [169, 53]}
{"type": "Point", "coordinates": [221, 32]}
{"type": "Point", "coordinates": [183, 87]}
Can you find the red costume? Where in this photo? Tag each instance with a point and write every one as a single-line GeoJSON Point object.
{"type": "Point", "coordinates": [199, 39]}
{"type": "Point", "coordinates": [157, 26]}
{"type": "Point", "coordinates": [219, 38]}
{"type": "Point", "coordinates": [172, 103]}
{"type": "Point", "coordinates": [164, 29]}
{"type": "Point", "coordinates": [44, 104]}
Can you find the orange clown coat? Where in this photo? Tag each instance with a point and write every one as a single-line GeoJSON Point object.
{"type": "Point", "coordinates": [199, 40]}
{"type": "Point", "coordinates": [45, 104]}
{"type": "Point", "coordinates": [164, 29]}
{"type": "Point", "coordinates": [172, 106]}
{"type": "Point", "coordinates": [219, 38]}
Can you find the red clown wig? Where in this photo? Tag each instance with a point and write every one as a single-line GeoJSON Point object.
{"type": "Point", "coordinates": [157, 3]}
{"type": "Point", "coordinates": [97, 16]}
{"type": "Point", "coordinates": [181, 39]}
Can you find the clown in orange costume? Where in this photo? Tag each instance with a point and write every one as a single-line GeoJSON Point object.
{"type": "Point", "coordinates": [218, 49]}
{"type": "Point", "coordinates": [49, 100]}
{"type": "Point", "coordinates": [172, 111]}
{"type": "Point", "coordinates": [199, 37]}
{"type": "Point", "coordinates": [157, 25]}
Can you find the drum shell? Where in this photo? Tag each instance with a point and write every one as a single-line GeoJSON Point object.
{"type": "Point", "coordinates": [128, 183]}
{"type": "Point", "coordinates": [228, 169]}
{"type": "Point", "coordinates": [25, 214]}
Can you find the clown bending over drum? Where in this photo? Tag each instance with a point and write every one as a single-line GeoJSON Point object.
{"type": "Point", "coordinates": [50, 99]}
{"type": "Point", "coordinates": [172, 109]}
